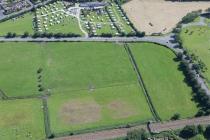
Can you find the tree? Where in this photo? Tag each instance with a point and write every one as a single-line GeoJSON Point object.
{"type": "Point", "coordinates": [179, 56]}
{"type": "Point", "coordinates": [189, 131]}
{"type": "Point", "coordinates": [175, 116]}
{"type": "Point", "coordinates": [207, 132]}
{"type": "Point", "coordinates": [137, 135]}
{"type": "Point", "coordinates": [26, 34]}
{"type": "Point", "coordinates": [200, 129]}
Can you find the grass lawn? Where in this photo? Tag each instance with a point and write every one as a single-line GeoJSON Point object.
{"type": "Point", "coordinates": [21, 120]}
{"type": "Point", "coordinates": [85, 109]}
{"type": "Point", "coordinates": [70, 25]}
{"type": "Point", "coordinates": [18, 65]}
{"type": "Point", "coordinates": [196, 39]}
{"type": "Point", "coordinates": [164, 82]}
{"type": "Point", "coordinates": [18, 26]}
{"type": "Point", "coordinates": [85, 65]}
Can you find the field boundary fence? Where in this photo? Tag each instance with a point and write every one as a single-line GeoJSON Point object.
{"type": "Point", "coordinates": [46, 118]}
{"type": "Point", "coordinates": [141, 83]}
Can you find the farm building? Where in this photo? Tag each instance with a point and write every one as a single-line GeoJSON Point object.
{"type": "Point", "coordinates": [93, 5]}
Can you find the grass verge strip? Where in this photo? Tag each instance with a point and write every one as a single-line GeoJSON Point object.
{"type": "Point", "coordinates": [46, 118]}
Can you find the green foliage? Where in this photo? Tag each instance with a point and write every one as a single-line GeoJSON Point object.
{"type": "Point", "coordinates": [176, 116]}
{"type": "Point", "coordinates": [189, 131]}
{"type": "Point", "coordinates": [190, 17]}
{"type": "Point", "coordinates": [207, 132]}
{"type": "Point", "coordinates": [137, 135]}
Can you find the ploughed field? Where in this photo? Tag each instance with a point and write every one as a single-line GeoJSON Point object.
{"type": "Point", "coordinates": [197, 41]}
{"type": "Point", "coordinates": [89, 85]}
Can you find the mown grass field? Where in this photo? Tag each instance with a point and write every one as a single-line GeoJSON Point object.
{"type": "Point", "coordinates": [19, 63]}
{"type": "Point", "coordinates": [21, 120]}
{"type": "Point", "coordinates": [18, 26]}
{"type": "Point", "coordinates": [196, 40]}
{"type": "Point", "coordinates": [163, 81]}
{"type": "Point", "coordinates": [85, 109]}
{"type": "Point", "coordinates": [85, 65]}
{"type": "Point", "coordinates": [70, 25]}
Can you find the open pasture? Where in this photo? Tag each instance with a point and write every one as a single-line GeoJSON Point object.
{"type": "Point", "coordinates": [159, 16]}
{"type": "Point", "coordinates": [196, 40]}
{"type": "Point", "coordinates": [18, 25]}
{"type": "Point", "coordinates": [89, 109]}
{"type": "Point", "coordinates": [21, 120]}
{"type": "Point", "coordinates": [164, 82]}
{"type": "Point", "coordinates": [86, 65]}
{"type": "Point", "coordinates": [19, 64]}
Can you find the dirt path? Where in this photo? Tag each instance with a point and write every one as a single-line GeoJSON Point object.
{"type": "Point", "coordinates": [155, 127]}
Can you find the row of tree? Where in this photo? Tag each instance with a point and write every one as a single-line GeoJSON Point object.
{"type": "Point", "coordinates": [191, 131]}
{"type": "Point", "coordinates": [192, 67]}
{"type": "Point", "coordinates": [42, 35]}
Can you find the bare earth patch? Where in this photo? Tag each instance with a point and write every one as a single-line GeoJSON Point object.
{"type": "Point", "coordinates": [121, 109]}
{"type": "Point", "coordinates": [77, 112]}
{"type": "Point", "coordinates": [159, 16]}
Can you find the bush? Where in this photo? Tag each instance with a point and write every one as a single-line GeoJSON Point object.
{"type": "Point", "coordinates": [189, 131]}
{"type": "Point", "coordinates": [207, 132]}
{"type": "Point", "coordinates": [137, 135]}
{"type": "Point", "coordinates": [201, 129]}
{"type": "Point", "coordinates": [106, 35]}
{"type": "Point", "coordinates": [10, 35]}
{"type": "Point", "coordinates": [190, 17]}
{"type": "Point", "coordinates": [175, 116]}
{"type": "Point", "coordinates": [26, 34]}
{"type": "Point", "coordinates": [39, 70]}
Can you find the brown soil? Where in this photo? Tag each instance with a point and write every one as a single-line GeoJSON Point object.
{"type": "Point", "coordinates": [78, 112]}
{"type": "Point", "coordinates": [121, 109]}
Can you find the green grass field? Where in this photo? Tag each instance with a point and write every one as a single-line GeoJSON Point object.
{"type": "Point", "coordinates": [18, 26]}
{"type": "Point", "coordinates": [196, 40]}
{"type": "Point", "coordinates": [76, 66]}
{"type": "Point", "coordinates": [85, 109]}
{"type": "Point", "coordinates": [92, 84]}
{"type": "Point", "coordinates": [163, 81]}
{"type": "Point", "coordinates": [19, 63]}
{"type": "Point", "coordinates": [21, 120]}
